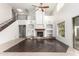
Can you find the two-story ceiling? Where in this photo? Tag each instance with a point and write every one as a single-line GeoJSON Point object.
{"type": "Point", "coordinates": [28, 7]}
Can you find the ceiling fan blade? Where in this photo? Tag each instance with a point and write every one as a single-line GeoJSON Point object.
{"type": "Point", "coordinates": [35, 10]}
{"type": "Point", "coordinates": [46, 7]}
{"type": "Point", "coordinates": [34, 5]}
{"type": "Point", "coordinates": [43, 6]}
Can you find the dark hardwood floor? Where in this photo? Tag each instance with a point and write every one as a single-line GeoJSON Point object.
{"type": "Point", "coordinates": [38, 46]}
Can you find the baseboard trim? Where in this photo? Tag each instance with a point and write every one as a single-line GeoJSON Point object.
{"type": "Point", "coordinates": [62, 43]}
{"type": "Point", "coordinates": [9, 44]}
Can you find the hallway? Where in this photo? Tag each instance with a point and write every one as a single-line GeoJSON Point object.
{"type": "Point", "coordinates": [36, 45]}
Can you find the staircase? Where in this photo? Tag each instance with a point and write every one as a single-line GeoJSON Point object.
{"type": "Point", "coordinates": [6, 23]}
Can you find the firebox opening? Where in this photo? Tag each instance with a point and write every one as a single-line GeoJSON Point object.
{"type": "Point", "coordinates": [40, 34]}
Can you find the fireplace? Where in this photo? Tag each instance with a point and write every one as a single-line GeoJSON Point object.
{"type": "Point", "coordinates": [40, 34]}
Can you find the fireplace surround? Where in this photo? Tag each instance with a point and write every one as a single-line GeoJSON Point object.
{"type": "Point", "coordinates": [40, 32]}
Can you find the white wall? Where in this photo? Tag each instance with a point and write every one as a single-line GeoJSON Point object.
{"type": "Point", "coordinates": [11, 32]}
{"type": "Point", "coordinates": [66, 14]}
{"type": "Point", "coordinates": [27, 22]}
{"type": "Point", "coordinates": [5, 12]}
{"type": "Point", "coordinates": [39, 17]}
{"type": "Point", "coordinates": [46, 20]}
{"type": "Point", "coordinates": [43, 20]}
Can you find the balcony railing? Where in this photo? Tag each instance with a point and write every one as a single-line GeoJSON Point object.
{"type": "Point", "coordinates": [5, 24]}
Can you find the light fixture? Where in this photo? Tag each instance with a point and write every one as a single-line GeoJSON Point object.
{"type": "Point", "coordinates": [19, 10]}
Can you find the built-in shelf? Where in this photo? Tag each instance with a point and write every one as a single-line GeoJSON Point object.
{"type": "Point", "coordinates": [49, 30]}
{"type": "Point", "coordinates": [49, 26]}
{"type": "Point", "coordinates": [31, 26]}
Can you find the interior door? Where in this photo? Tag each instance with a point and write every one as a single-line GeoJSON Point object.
{"type": "Point", "coordinates": [76, 32]}
{"type": "Point", "coordinates": [22, 31]}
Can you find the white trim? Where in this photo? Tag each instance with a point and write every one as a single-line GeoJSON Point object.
{"type": "Point", "coordinates": [76, 27]}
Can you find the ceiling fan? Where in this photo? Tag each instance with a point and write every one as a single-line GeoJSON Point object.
{"type": "Point", "coordinates": [41, 6]}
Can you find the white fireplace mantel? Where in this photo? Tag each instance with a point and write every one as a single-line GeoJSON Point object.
{"type": "Point", "coordinates": [39, 26]}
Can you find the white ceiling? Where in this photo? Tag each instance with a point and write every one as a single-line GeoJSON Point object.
{"type": "Point", "coordinates": [30, 8]}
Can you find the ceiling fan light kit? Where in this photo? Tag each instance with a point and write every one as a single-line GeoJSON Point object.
{"type": "Point", "coordinates": [41, 6]}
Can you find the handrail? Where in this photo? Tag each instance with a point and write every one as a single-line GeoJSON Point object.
{"type": "Point", "coordinates": [6, 23]}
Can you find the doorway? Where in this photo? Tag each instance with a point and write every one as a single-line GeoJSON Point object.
{"type": "Point", "coordinates": [22, 31]}
{"type": "Point", "coordinates": [76, 32]}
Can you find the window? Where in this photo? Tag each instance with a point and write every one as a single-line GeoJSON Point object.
{"type": "Point", "coordinates": [61, 29]}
